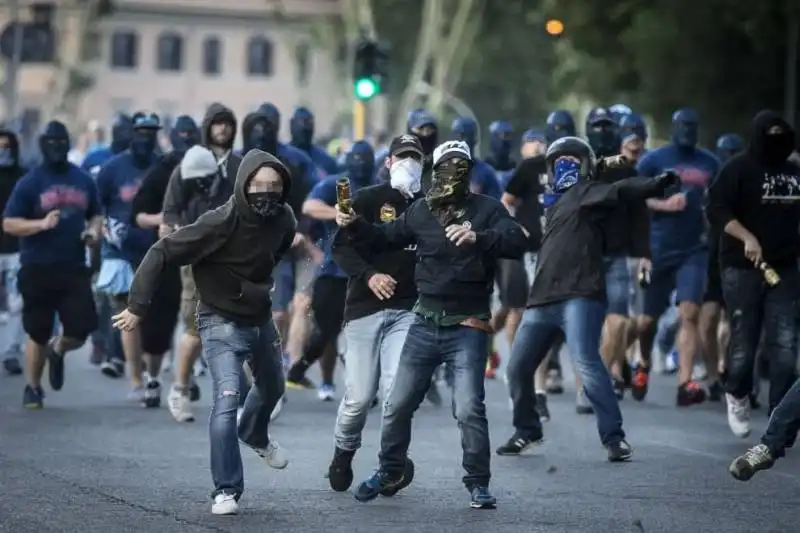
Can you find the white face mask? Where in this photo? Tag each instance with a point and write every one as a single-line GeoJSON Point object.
{"type": "Point", "coordinates": [405, 175]}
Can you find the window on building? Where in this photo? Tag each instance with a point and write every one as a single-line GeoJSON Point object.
{"type": "Point", "coordinates": [124, 49]}
{"type": "Point", "coordinates": [212, 50]}
{"type": "Point", "coordinates": [302, 59]}
{"type": "Point", "coordinates": [259, 57]}
{"type": "Point", "coordinates": [169, 52]}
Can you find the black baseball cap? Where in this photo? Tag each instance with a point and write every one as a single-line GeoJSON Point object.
{"type": "Point", "coordinates": [406, 144]}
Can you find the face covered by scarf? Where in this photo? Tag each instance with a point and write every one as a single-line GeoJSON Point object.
{"type": "Point", "coordinates": [566, 173]}
{"type": "Point", "coordinates": [449, 188]}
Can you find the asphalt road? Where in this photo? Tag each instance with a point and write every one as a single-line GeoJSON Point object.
{"type": "Point", "coordinates": [93, 462]}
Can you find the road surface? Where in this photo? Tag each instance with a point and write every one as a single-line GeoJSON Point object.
{"type": "Point", "coordinates": [93, 462]}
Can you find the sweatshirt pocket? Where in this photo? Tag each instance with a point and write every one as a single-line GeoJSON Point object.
{"type": "Point", "coordinates": [254, 297]}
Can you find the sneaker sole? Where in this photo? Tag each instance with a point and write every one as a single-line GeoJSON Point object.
{"type": "Point", "coordinates": [532, 444]}
{"type": "Point", "coordinates": [110, 372]}
{"type": "Point", "coordinates": [32, 405]}
{"type": "Point", "coordinates": [485, 505]}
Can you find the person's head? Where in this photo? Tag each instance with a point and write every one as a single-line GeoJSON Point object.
{"type": "Point", "coordinates": [145, 137]}
{"type": "Point", "coordinates": [359, 164]}
{"type": "Point", "coordinates": [452, 165]}
{"type": "Point", "coordinates": [633, 133]}
{"type": "Point", "coordinates": [602, 132]}
{"type": "Point", "coordinates": [619, 111]}
{"type": "Point", "coordinates": [221, 132]}
{"type": "Point", "coordinates": [96, 133]}
{"type": "Point", "coordinates": [302, 127]}
{"type": "Point", "coordinates": [729, 145]}
{"type": "Point", "coordinates": [501, 139]}
{"type": "Point", "coordinates": [685, 128]}
{"type": "Point", "coordinates": [121, 133]}
{"type": "Point", "coordinates": [260, 133]}
{"type": "Point", "coordinates": [54, 144]}
{"type": "Point", "coordinates": [199, 169]}
{"type": "Point", "coordinates": [184, 134]}
{"type": "Point", "coordinates": [424, 125]}
{"type": "Point", "coordinates": [569, 160]}
{"type": "Point", "coordinates": [466, 129]}
{"type": "Point", "coordinates": [218, 128]}
{"type": "Point", "coordinates": [560, 123]}
{"type": "Point", "coordinates": [262, 185]}
{"type": "Point", "coordinates": [405, 164]}
{"type": "Point", "coordinates": [9, 149]}
{"type": "Point", "coordinates": [772, 139]}
{"type": "Point", "coordinates": [533, 143]}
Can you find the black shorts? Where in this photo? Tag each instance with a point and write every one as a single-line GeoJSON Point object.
{"type": "Point", "coordinates": [512, 283]}
{"type": "Point", "coordinates": [327, 304]}
{"type": "Point", "coordinates": [50, 290]}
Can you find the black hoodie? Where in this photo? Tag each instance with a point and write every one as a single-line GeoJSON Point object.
{"type": "Point", "coordinates": [759, 188]}
{"type": "Point", "coordinates": [182, 205]}
{"type": "Point", "coordinates": [9, 176]}
{"type": "Point", "coordinates": [232, 250]}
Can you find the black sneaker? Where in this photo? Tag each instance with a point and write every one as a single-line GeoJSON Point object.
{"type": "Point", "coordinates": [481, 498]}
{"type": "Point", "coordinates": [296, 377]}
{"type": "Point", "coordinates": [55, 367]}
{"type": "Point", "coordinates": [32, 398]}
{"type": "Point", "coordinates": [756, 458]}
{"type": "Point", "coordinates": [340, 471]}
{"type": "Point", "coordinates": [12, 367]}
{"type": "Point", "coordinates": [541, 407]}
{"type": "Point", "coordinates": [152, 394]}
{"type": "Point", "coordinates": [619, 452]}
{"type": "Point", "coordinates": [690, 393]}
{"type": "Point", "coordinates": [114, 368]}
{"type": "Point", "coordinates": [408, 477]}
{"type": "Point", "coordinates": [755, 405]}
{"type": "Point", "coordinates": [377, 483]}
{"type": "Point", "coordinates": [715, 392]}
{"type": "Point", "coordinates": [517, 445]}
{"type": "Point", "coordinates": [619, 388]}
{"type": "Point", "coordinates": [194, 392]}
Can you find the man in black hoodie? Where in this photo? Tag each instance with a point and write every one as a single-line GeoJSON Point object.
{"type": "Point", "coordinates": [232, 251]}
{"type": "Point", "coordinates": [10, 173]}
{"type": "Point", "coordinates": [459, 237]}
{"type": "Point", "coordinates": [183, 204]}
{"type": "Point", "coordinates": [755, 205]}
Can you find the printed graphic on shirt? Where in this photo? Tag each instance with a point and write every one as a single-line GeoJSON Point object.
{"type": "Point", "coordinates": [128, 192]}
{"type": "Point", "coordinates": [68, 200]}
{"type": "Point", "coordinates": [694, 177]}
{"type": "Point", "coordinates": [780, 188]}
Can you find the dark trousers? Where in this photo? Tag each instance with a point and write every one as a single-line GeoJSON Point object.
{"type": "Point", "coordinates": [752, 305]}
{"type": "Point", "coordinates": [327, 306]}
{"type": "Point", "coordinates": [784, 422]}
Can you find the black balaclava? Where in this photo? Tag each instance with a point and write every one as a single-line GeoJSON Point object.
{"type": "Point", "coordinates": [360, 164]}
{"type": "Point", "coordinates": [260, 132]}
{"type": "Point", "coordinates": [602, 132]}
{"type": "Point", "coordinates": [183, 135]}
{"type": "Point", "coordinates": [302, 127]}
{"type": "Point", "coordinates": [145, 140]}
{"type": "Point", "coordinates": [771, 149]}
{"type": "Point", "coordinates": [121, 134]}
{"type": "Point", "coordinates": [419, 120]}
{"type": "Point", "coordinates": [54, 144]}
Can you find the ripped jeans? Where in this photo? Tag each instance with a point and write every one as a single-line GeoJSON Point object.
{"type": "Point", "coordinates": [226, 347]}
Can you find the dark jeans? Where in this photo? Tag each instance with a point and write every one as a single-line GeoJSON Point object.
{"type": "Point", "coordinates": [784, 422]}
{"type": "Point", "coordinates": [581, 321]}
{"type": "Point", "coordinates": [751, 305]}
{"type": "Point", "coordinates": [465, 351]}
{"type": "Point", "coordinates": [226, 347]}
{"type": "Point", "coordinates": [327, 305]}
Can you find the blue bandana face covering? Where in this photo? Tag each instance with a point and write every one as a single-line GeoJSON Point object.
{"type": "Point", "coordinates": [565, 174]}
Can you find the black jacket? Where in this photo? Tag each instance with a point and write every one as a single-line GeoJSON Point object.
{"type": "Point", "coordinates": [9, 176]}
{"type": "Point", "coordinates": [626, 231]}
{"type": "Point", "coordinates": [182, 204]}
{"type": "Point", "coordinates": [378, 203]}
{"type": "Point", "coordinates": [763, 194]}
{"type": "Point", "coordinates": [232, 251]}
{"type": "Point", "coordinates": [450, 279]}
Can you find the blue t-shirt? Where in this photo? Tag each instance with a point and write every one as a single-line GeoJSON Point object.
{"type": "Point", "coordinates": [95, 160]}
{"type": "Point", "coordinates": [117, 184]}
{"type": "Point", "coordinates": [673, 236]}
{"type": "Point", "coordinates": [485, 180]}
{"type": "Point", "coordinates": [325, 164]}
{"type": "Point", "coordinates": [40, 191]}
{"type": "Point", "coordinates": [325, 191]}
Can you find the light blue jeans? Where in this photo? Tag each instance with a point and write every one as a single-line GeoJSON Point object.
{"type": "Point", "coordinates": [374, 344]}
{"type": "Point", "coordinates": [226, 347]}
{"type": "Point", "coordinates": [13, 333]}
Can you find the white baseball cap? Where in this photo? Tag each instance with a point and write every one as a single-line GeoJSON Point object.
{"type": "Point", "coordinates": [451, 150]}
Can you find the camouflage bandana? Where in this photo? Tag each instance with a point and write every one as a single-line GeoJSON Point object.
{"type": "Point", "coordinates": [449, 189]}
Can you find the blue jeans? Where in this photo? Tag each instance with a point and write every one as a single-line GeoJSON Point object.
{"type": "Point", "coordinates": [752, 306]}
{"type": "Point", "coordinates": [106, 336]}
{"type": "Point", "coordinates": [226, 347]}
{"type": "Point", "coordinates": [618, 285]}
{"type": "Point", "coordinates": [581, 321]}
{"type": "Point", "coordinates": [783, 423]}
{"type": "Point", "coordinates": [427, 346]}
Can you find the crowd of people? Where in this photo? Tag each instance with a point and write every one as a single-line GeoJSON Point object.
{"type": "Point", "coordinates": [628, 258]}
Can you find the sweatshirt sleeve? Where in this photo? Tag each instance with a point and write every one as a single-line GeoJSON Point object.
{"type": "Point", "coordinates": [627, 190]}
{"type": "Point", "coordinates": [186, 246]}
{"type": "Point", "coordinates": [288, 238]}
{"type": "Point", "coordinates": [721, 198]}
{"type": "Point", "coordinates": [383, 237]}
{"type": "Point", "coordinates": [345, 253]}
{"type": "Point", "coordinates": [173, 199]}
{"type": "Point", "coordinates": [147, 195]}
{"type": "Point", "coordinates": [503, 238]}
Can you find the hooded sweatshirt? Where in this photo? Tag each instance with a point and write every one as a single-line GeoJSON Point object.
{"type": "Point", "coordinates": [759, 188]}
{"type": "Point", "coordinates": [183, 204]}
{"type": "Point", "coordinates": [10, 173]}
{"type": "Point", "coordinates": [232, 250]}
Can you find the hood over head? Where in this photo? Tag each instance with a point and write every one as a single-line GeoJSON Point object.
{"type": "Point", "coordinates": [272, 113]}
{"type": "Point", "coordinates": [259, 132]}
{"type": "Point", "coordinates": [9, 157]}
{"type": "Point", "coordinates": [465, 129]}
{"type": "Point", "coordinates": [560, 123]}
{"type": "Point", "coordinates": [121, 133]}
{"type": "Point", "coordinates": [771, 147]}
{"type": "Point", "coordinates": [685, 128]}
{"type": "Point", "coordinates": [302, 128]}
{"type": "Point", "coordinates": [54, 143]}
{"type": "Point", "coordinates": [251, 163]}
{"type": "Point", "coordinates": [216, 113]}
{"type": "Point", "coordinates": [184, 134]}
{"type": "Point", "coordinates": [360, 164]}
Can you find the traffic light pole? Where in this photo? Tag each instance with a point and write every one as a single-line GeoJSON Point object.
{"type": "Point", "coordinates": [359, 120]}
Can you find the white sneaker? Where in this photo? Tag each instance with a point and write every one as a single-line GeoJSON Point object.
{"type": "Point", "coordinates": [326, 392]}
{"type": "Point", "coordinates": [278, 409]}
{"type": "Point", "coordinates": [738, 415]}
{"type": "Point", "coordinates": [180, 407]}
{"type": "Point", "coordinates": [273, 455]}
{"type": "Point", "coordinates": [224, 504]}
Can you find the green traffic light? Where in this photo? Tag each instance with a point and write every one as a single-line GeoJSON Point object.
{"type": "Point", "coordinates": [366, 88]}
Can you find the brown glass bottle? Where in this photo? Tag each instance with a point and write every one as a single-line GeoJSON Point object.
{"type": "Point", "coordinates": [343, 195]}
{"type": "Point", "coordinates": [772, 278]}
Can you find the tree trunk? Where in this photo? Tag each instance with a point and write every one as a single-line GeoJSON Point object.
{"type": "Point", "coordinates": [431, 22]}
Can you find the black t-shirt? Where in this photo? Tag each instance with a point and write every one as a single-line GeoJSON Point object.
{"type": "Point", "coordinates": [525, 184]}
